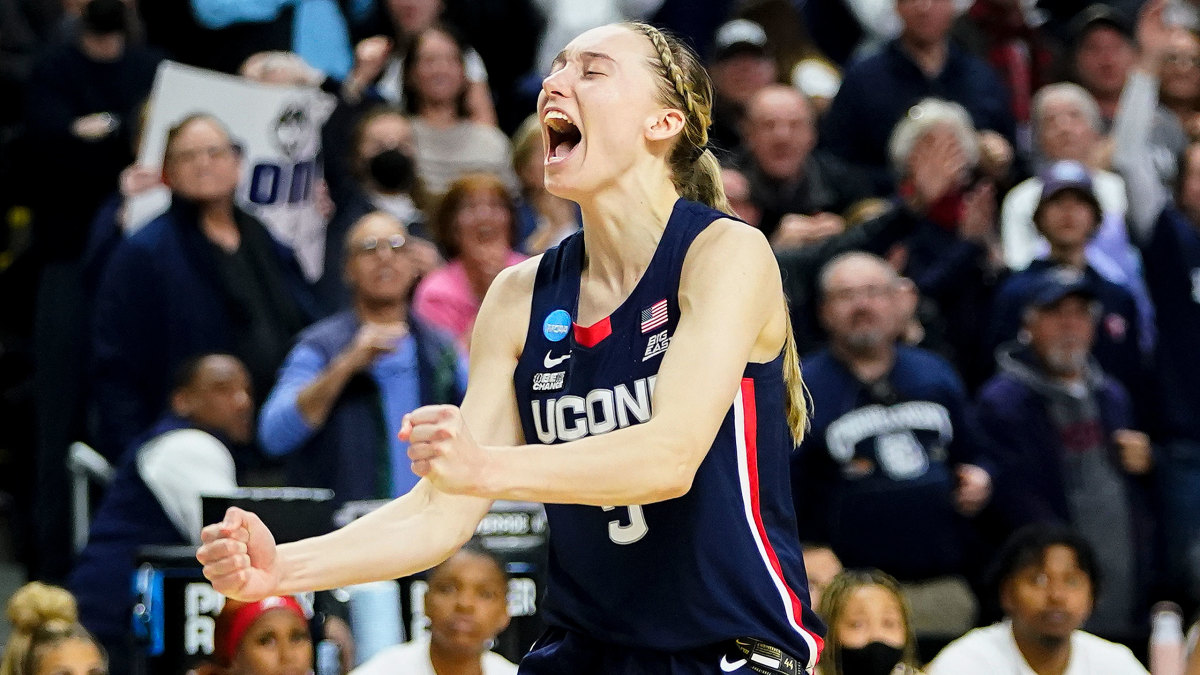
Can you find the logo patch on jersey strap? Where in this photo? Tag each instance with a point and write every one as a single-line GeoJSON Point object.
{"type": "Point", "coordinates": [760, 657]}
{"type": "Point", "coordinates": [549, 381]}
{"type": "Point", "coordinates": [658, 344]}
{"type": "Point", "coordinates": [557, 325]}
{"type": "Point", "coordinates": [654, 316]}
{"type": "Point", "coordinates": [552, 361]}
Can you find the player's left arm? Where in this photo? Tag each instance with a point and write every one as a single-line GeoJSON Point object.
{"type": "Point", "coordinates": [731, 313]}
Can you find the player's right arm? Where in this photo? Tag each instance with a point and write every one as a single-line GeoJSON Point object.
{"type": "Point", "coordinates": [411, 533]}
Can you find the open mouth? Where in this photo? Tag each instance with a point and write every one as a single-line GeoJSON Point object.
{"type": "Point", "coordinates": [564, 136]}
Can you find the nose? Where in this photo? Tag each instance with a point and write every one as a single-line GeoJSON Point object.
{"type": "Point", "coordinates": [554, 84]}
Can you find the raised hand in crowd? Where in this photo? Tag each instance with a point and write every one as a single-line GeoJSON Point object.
{"type": "Point", "coordinates": [1153, 36]}
{"type": "Point", "coordinates": [372, 341]}
{"type": "Point", "coordinates": [936, 164]}
{"type": "Point", "coordinates": [370, 59]}
{"type": "Point", "coordinates": [974, 489]}
{"type": "Point", "coordinates": [1133, 451]}
{"type": "Point", "coordinates": [796, 230]}
{"type": "Point", "coordinates": [995, 155]}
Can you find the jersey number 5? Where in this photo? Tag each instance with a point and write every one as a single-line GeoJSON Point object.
{"type": "Point", "coordinates": [627, 534]}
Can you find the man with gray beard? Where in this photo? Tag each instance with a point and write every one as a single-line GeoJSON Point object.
{"type": "Point", "coordinates": [887, 475]}
{"type": "Point", "coordinates": [1058, 432]}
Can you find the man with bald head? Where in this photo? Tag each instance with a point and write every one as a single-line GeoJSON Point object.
{"type": "Point", "coordinates": [887, 475]}
{"type": "Point", "coordinates": [350, 379]}
{"type": "Point", "coordinates": [801, 193]}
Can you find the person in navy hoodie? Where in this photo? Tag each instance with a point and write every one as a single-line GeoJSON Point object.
{"type": "Point", "coordinates": [891, 458]}
{"type": "Point", "coordinates": [1068, 215]}
{"type": "Point", "coordinates": [1059, 430]}
{"type": "Point", "coordinates": [154, 497]}
{"type": "Point", "coordinates": [203, 276]}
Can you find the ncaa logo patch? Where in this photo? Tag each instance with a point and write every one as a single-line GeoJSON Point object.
{"type": "Point", "coordinates": [556, 325]}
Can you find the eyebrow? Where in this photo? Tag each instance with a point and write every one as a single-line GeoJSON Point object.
{"type": "Point", "coordinates": [562, 57]}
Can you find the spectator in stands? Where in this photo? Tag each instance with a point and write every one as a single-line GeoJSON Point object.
{"type": "Point", "coordinates": [475, 227]}
{"type": "Point", "coordinates": [350, 379]}
{"type": "Point", "coordinates": [203, 276]}
{"type": "Point", "coordinates": [1069, 214]}
{"type": "Point", "coordinates": [742, 64]}
{"type": "Point", "coordinates": [410, 18]}
{"type": "Point", "coordinates": [467, 608]}
{"type": "Point", "coordinates": [82, 112]}
{"type": "Point", "coordinates": [737, 192]}
{"type": "Point", "coordinates": [1047, 581]}
{"type": "Point", "coordinates": [81, 116]}
{"type": "Point", "coordinates": [933, 170]}
{"type": "Point", "coordinates": [47, 638]}
{"type": "Point", "coordinates": [891, 458]}
{"type": "Point", "coordinates": [1060, 433]}
{"type": "Point", "coordinates": [878, 91]}
{"type": "Point", "coordinates": [1180, 80]}
{"type": "Point", "coordinates": [1104, 54]}
{"type": "Point", "coordinates": [1066, 126]}
{"type": "Point", "coordinates": [381, 178]}
{"type": "Point", "coordinates": [1166, 228]}
{"type": "Point", "coordinates": [448, 142]}
{"type": "Point", "coordinates": [154, 497]}
{"type": "Point", "coordinates": [544, 219]}
{"type": "Point", "coordinates": [268, 637]}
{"type": "Point", "coordinates": [802, 193]}
{"type": "Point", "coordinates": [1009, 35]}
{"type": "Point", "coordinates": [953, 256]}
{"type": "Point", "coordinates": [821, 565]}
{"type": "Point", "coordinates": [870, 624]}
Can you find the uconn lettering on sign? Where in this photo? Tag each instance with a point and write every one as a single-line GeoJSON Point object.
{"type": "Point", "coordinates": [568, 418]}
{"type": "Point", "coordinates": [272, 183]}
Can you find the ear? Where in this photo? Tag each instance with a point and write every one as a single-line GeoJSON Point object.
{"type": "Point", "coordinates": [181, 403]}
{"type": "Point", "coordinates": [665, 124]}
{"type": "Point", "coordinates": [1006, 600]}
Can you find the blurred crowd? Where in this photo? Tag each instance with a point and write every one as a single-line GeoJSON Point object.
{"type": "Point", "coordinates": [987, 217]}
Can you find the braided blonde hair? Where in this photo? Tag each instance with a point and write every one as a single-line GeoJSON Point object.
{"type": "Point", "coordinates": [685, 85]}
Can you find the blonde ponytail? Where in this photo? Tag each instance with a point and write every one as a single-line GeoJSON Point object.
{"type": "Point", "coordinates": [797, 392]}
{"type": "Point", "coordinates": [685, 85]}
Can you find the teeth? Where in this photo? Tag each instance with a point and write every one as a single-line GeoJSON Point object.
{"type": "Point", "coordinates": [557, 121]}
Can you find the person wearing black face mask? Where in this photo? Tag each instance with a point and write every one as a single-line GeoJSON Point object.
{"type": "Point", "coordinates": [870, 627]}
{"type": "Point", "coordinates": [379, 175]}
{"type": "Point", "coordinates": [392, 170]}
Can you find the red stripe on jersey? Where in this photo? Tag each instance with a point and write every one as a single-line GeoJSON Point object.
{"type": "Point", "coordinates": [590, 336]}
{"type": "Point", "coordinates": [750, 422]}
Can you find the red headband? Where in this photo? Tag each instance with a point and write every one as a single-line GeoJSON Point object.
{"type": "Point", "coordinates": [244, 617]}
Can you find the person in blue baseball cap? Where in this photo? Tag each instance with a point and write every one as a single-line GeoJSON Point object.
{"type": "Point", "coordinates": [1060, 431]}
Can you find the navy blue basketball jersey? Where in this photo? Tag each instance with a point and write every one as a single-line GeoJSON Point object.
{"type": "Point", "coordinates": [722, 561]}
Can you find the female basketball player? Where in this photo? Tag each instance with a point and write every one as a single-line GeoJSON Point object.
{"type": "Point", "coordinates": [646, 362]}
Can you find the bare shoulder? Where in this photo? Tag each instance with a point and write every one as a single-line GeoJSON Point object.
{"type": "Point", "coordinates": [728, 248]}
{"type": "Point", "coordinates": [504, 312]}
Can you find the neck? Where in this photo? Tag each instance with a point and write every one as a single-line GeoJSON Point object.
{"type": "Point", "coordinates": [1073, 256]}
{"type": "Point", "coordinates": [448, 663]}
{"type": "Point", "coordinates": [371, 310]}
{"type": "Point", "coordinates": [218, 224]}
{"type": "Point", "coordinates": [623, 225]}
{"type": "Point", "coordinates": [98, 48]}
{"type": "Point", "coordinates": [1045, 656]}
{"type": "Point", "coordinates": [930, 57]}
{"type": "Point", "coordinates": [1108, 105]}
{"type": "Point", "coordinates": [868, 365]}
{"type": "Point", "coordinates": [442, 115]}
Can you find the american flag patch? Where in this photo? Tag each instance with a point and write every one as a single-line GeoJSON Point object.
{"type": "Point", "coordinates": [654, 316]}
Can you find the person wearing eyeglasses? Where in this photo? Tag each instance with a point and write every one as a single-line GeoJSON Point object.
{"type": "Point", "coordinates": [353, 376]}
{"type": "Point", "coordinates": [204, 276]}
